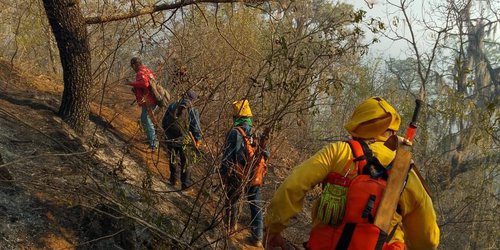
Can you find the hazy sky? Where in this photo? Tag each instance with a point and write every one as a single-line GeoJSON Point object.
{"type": "Point", "coordinates": [418, 10]}
{"type": "Point", "coordinates": [381, 10]}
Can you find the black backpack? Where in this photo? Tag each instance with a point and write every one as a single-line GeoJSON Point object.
{"type": "Point", "coordinates": [175, 123]}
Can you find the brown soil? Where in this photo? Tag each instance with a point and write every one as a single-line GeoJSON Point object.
{"type": "Point", "coordinates": [57, 176]}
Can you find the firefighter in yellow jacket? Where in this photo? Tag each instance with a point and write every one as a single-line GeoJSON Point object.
{"type": "Point", "coordinates": [373, 121]}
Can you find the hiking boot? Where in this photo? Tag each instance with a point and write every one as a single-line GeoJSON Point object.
{"type": "Point", "coordinates": [256, 242]}
{"type": "Point", "coordinates": [188, 192]}
{"type": "Point", "coordinates": [173, 183]}
{"type": "Point", "coordinates": [154, 147]}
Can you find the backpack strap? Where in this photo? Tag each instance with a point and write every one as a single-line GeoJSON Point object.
{"type": "Point", "coordinates": [249, 149]}
{"type": "Point", "coordinates": [242, 132]}
{"type": "Point", "coordinates": [366, 163]}
{"type": "Point", "coordinates": [359, 156]}
{"type": "Point", "coordinates": [243, 171]}
{"type": "Point", "coordinates": [181, 110]}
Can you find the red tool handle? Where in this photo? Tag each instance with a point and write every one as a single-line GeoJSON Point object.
{"type": "Point", "coordinates": [412, 128]}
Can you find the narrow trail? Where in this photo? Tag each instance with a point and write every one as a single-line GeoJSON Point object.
{"type": "Point", "coordinates": [50, 200]}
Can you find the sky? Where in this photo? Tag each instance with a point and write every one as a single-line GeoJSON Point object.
{"type": "Point", "coordinates": [418, 10]}
{"type": "Point", "coordinates": [383, 11]}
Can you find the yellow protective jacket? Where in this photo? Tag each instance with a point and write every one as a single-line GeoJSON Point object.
{"type": "Point", "coordinates": [417, 214]}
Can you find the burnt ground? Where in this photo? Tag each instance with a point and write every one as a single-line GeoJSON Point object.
{"type": "Point", "coordinates": [104, 190]}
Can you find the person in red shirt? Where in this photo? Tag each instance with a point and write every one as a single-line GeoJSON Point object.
{"type": "Point", "coordinates": [145, 99]}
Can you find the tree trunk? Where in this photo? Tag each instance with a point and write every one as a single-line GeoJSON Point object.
{"type": "Point", "coordinates": [464, 64]}
{"type": "Point", "coordinates": [68, 26]}
{"type": "Point", "coordinates": [482, 75]}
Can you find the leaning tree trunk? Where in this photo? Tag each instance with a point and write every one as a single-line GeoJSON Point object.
{"type": "Point", "coordinates": [68, 25]}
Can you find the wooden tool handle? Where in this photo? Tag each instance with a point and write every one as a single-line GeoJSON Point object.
{"type": "Point", "coordinates": [390, 198]}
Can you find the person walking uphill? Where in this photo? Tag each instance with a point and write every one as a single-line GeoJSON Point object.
{"type": "Point", "coordinates": [181, 124]}
{"type": "Point", "coordinates": [145, 99]}
{"type": "Point", "coordinates": [349, 172]}
{"type": "Point", "coordinates": [242, 172]}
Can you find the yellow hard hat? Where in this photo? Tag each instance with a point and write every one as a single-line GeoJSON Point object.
{"type": "Point", "coordinates": [372, 118]}
{"type": "Point", "coordinates": [242, 109]}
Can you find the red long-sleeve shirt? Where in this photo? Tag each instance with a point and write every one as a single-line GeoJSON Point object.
{"type": "Point", "coordinates": [141, 88]}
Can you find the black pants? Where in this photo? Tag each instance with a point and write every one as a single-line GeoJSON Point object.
{"type": "Point", "coordinates": [178, 158]}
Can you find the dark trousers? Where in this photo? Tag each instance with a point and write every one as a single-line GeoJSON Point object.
{"type": "Point", "coordinates": [178, 159]}
{"type": "Point", "coordinates": [254, 198]}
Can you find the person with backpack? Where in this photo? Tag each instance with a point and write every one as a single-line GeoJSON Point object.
{"type": "Point", "coordinates": [242, 172]}
{"type": "Point", "coordinates": [353, 175]}
{"type": "Point", "coordinates": [145, 99]}
{"type": "Point", "coordinates": [181, 124]}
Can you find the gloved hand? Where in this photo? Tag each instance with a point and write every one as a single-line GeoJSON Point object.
{"type": "Point", "coordinates": [198, 144]}
{"type": "Point", "coordinates": [274, 241]}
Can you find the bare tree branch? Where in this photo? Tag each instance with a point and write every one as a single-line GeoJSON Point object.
{"type": "Point", "coordinates": [156, 8]}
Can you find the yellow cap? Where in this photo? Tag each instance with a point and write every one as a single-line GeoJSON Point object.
{"type": "Point", "coordinates": [242, 109]}
{"type": "Point", "coordinates": [372, 118]}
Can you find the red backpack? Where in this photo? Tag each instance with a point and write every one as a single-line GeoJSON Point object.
{"type": "Point", "coordinates": [349, 203]}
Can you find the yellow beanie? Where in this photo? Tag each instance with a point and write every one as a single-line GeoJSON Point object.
{"type": "Point", "coordinates": [372, 118]}
{"type": "Point", "coordinates": [242, 109]}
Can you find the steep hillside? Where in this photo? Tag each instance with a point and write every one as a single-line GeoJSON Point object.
{"type": "Point", "coordinates": [60, 191]}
